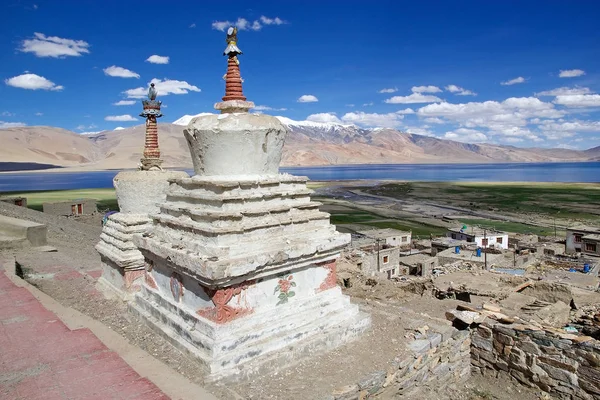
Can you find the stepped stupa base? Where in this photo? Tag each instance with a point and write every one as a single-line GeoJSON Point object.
{"type": "Point", "coordinates": [241, 273]}
{"type": "Point", "coordinates": [123, 265]}
{"type": "Point", "coordinates": [256, 341]}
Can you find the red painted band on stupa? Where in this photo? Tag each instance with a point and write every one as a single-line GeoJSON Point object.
{"type": "Point", "coordinates": [233, 86]}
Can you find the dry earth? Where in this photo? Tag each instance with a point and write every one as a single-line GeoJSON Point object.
{"type": "Point", "coordinates": [69, 276]}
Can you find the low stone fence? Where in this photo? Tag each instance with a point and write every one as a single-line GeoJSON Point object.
{"type": "Point", "coordinates": [565, 368]}
{"type": "Point", "coordinates": [440, 357]}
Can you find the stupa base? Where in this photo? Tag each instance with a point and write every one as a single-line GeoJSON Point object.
{"type": "Point", "coordinates": [122, 263]}
{"type": "Point", "coordinates": [259, 342]}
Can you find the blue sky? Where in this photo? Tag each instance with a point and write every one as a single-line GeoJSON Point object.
{"type": "Point", "coordinates": [502, 72]}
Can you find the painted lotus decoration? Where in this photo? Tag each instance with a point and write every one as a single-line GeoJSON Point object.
{"type": "Point", "coordinates": [283, 287]}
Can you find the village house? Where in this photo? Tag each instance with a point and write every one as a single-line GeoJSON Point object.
{"type": "Point", "coordinates": [390, 237]}
{"type": "Point", "coordinates": [419, 264]}
{"type": "Point", "coordinates": [71, 207]}
{"type": "Point", "coordinates": [16, 200]}
{"type": "Point", "coordinates": [379, 250]}
{"type": "Point", "coordinates": [442, 243]}
{"type": "Point", "coordinates": [482, 237]}
{"type": "Point", "coordinates": [583, 239]}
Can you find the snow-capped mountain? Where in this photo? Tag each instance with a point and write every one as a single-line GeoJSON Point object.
{"type": "Point", "coordinates": [185, 120]}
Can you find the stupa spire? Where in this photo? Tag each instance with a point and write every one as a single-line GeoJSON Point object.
{"type": "Point", "coordinates": [234, 99]}
{"type": "Point", "coordinates": [151, 159]}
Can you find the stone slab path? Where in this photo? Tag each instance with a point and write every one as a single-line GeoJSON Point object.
{"type": "Point", "coordinates": [41, 358]}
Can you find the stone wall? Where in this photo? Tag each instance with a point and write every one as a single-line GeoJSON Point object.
{"type": "Point", "coordinates": [567, 369]}
{"type": "Point", "coordinates": [440, 358]}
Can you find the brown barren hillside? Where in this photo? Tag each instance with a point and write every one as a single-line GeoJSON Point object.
{"type": "Point", "coordinates": [47, 145]}
{"type": "Point", "coordinates": [308, 143]}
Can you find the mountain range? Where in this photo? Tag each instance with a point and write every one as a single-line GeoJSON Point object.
{"type": "Point", "coordinates": [307, 144]}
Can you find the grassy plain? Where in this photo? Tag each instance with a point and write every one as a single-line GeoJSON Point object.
{"type": "Point", "coordinates": [106, 198]}
{"type": "Point", "coordinates": [577, 201]}
{"type": "Point", "coordinates": [562, 203]}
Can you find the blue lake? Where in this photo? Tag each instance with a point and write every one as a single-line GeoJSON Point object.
{"type": "Point", "coordinates": [527, 172]}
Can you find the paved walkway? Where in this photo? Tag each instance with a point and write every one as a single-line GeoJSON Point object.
{"type": "Point", "coordinates": [40, 358]}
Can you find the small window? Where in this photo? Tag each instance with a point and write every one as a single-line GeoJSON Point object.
{"type": "Point", "coordinates": [73, 209]}
{"type": "Point", "coordinates": [590, 247]}
{"type": "Point", "coordinates": [484, 242]}
{"type": "Point", "coordinates": [79, 208]}
{"type": "Point", "coordinates": [386, 259]}
{"type": "Point", "coordinates": [578, 238]}
{"type": "Point", "coordinates": [499, 240]}
{"type": "Point", "coordinates": [404, 239]}
{"type": "Point", "coordinates": [454, 236]}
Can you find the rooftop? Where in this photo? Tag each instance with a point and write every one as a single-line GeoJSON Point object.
{"type": "Point", "coordinates": [383, 233]}
{"type": "Point", "coordinates": [584, 228]}
{"type": "Point", "coordinates": [476, 231]}
{"type": "Point", "coordinates": [415, 258]}
{"type": "Point", "coordinates": [448, 241]}
{"type": "Point", "coordinates": [594, 237]}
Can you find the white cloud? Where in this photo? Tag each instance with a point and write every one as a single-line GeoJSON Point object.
{"type": "Point", "coordinates": [53, 46]}
{"type": "Point", "coordinates": [508, 118]}
{"type": "Point", "coordinates": [307, 98]}
{"type": "Point", "coordinates": [39, 114]}
{"type": "Point", "coordinates": [416, 130]}
{"type": "Point", "coordinates": [564, 91]}
{"type": "Point", "coordinates": [124, 103]}
{"type": "Point", "coordinates": [466, 135]}
{"type": "Point", "coordinates": [244, 25]}
{"type": "Point", "coordinates": [83, 127]}
{"type": "Point", "coordinates": [156, 59]}
{"type": "Point", "coordinates": [426, 89]}
{"type": "Point", "coordinates": [388, 90]}
{"type": "Point", "coordinates": [324, 117]}
{"type": "Point", "coordinates": [514, 81]}
{"type": "Point", "coordinates": [32, 82]}
{"type": "Point", "coordinates": [120, 72]}
{"type": "Point", "coordinates": [570, 126]}
{"type": "Point", "coordinates": [163, 88]}
{"type": "Point", "coordinates": [368, 104]}
{"type": "Point", "coordinates": [271, 21]}
{"type": "Point", "coordinates": [7, 114]}
{"type": "Point", "coordinates": [434, 120]}
{"type": "Point", "coordinates": [120, 118]}
{"type": "Point", "coordinates": [192, 26]}
{"type": "Point", "coordinates": [413, 98]}
{"type": "Point", "coordinates": [221, 25]}
{"type": "Point", "coordinates": [267, 108]}
{"type": "Point", "coordinates": [570, 73]}
{"type": "Point", "coordinates": [118, 128]}
{"type": "Point", "coordinates": [406, 111]}
{"type": "Point", "coordinates": [460, 91]}
{"type": "Point", "coordinates": [5, 125]}
{"type": "Point", "coordinates": [391, 120]}
{"type": "Point", "coordinates": [578, 100]}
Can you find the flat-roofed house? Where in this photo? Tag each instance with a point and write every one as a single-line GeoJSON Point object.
{"type": "Point", "coordinates": [576, 243]}
{"type": "Point", "coordinates": [482, 237]}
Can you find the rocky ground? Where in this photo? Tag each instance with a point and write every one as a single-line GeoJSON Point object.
{"type": "Point", "coordinates": [397, 308]}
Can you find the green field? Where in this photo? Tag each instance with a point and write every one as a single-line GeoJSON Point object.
{"type": "Point", "coordinates": [579, 201]}
{"type": "Point", "coordinates": [514, 227]}
{"type": "Point", "coordinates": [106, 198]}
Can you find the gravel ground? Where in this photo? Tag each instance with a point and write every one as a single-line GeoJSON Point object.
{"type": "Point", "coordinates": [69, 276]}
